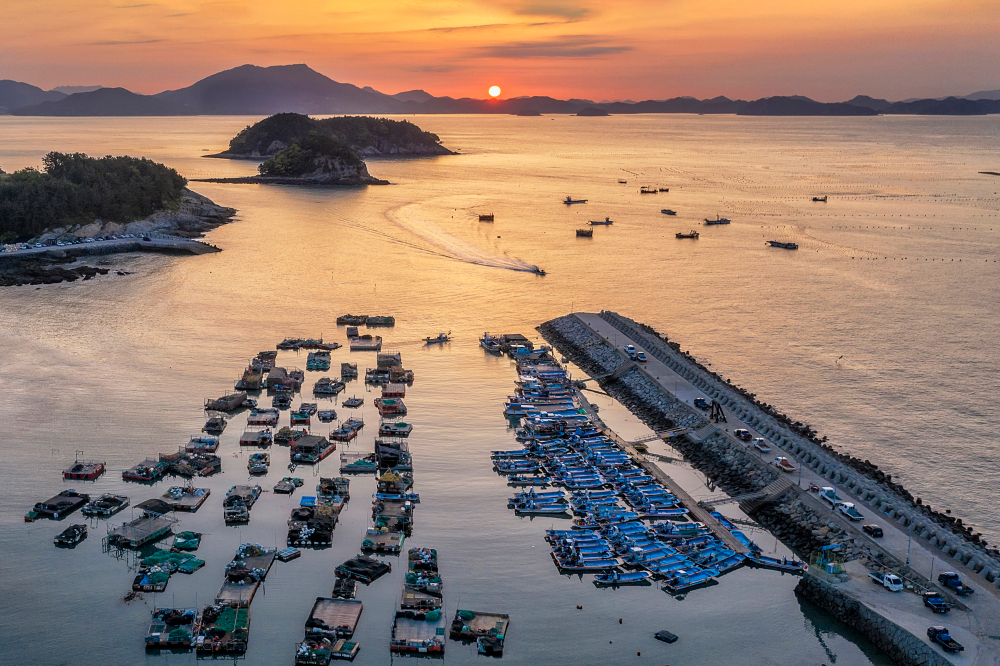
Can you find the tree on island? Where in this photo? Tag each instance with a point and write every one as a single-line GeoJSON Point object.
{"type": "Point", "coordinates": [77, 189]}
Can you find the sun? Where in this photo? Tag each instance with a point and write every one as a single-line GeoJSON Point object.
{"type": "Point", "coordinates": [495, 91]}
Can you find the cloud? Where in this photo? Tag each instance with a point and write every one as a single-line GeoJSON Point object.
{"type": "Point", "coordinates": [566, 10]}
{"type": "Point", "coordinates": [582, 46]}
{"type": "Point", "coordinates": [430, 68]}
{"type": "Point", "coordinates": [124, 42]}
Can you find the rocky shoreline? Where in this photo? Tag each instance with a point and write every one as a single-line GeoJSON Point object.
{"type": "Point", "coordinates": [192, 218]}
{"type": "Point", "coordinates": [325, 180]}
{"type": "Point", "coordinates": [195, 216]}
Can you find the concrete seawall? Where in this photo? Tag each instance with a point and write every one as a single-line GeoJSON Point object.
{"type": "Point", "coordinates": [901, 646]}
{"type": "Point", "coordinates": [876, 494]}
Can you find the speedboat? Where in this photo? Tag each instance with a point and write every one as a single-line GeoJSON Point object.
{"type": "Point", "coordinates": [667, 211]}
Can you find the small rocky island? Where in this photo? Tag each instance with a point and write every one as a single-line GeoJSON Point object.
{"type": "Point", "coordinates": [299, 150]}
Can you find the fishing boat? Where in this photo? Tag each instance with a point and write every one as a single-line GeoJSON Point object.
{"type": "Point", "coordinates": [622, 181]}
{"type": "Point", "coordinates": [398, 429]}
{"type": "Point", "coordinates": [147, 471]}
{"type": "Point", "coordinates": [258, 463]}
{"type": "Point", "coordinates": [380, 320]}
{"type": "Point", "coordinates": [215, 424]}
{"type": "Point", "coordinates": [490, 343]}
{"type": "Point", "coordinates": [783, 245]}
{"type": "Point", "coordinates": [664, 189]}
{"type": "Point", "coordinates": [486, 217]}
{"type": "Point", "coordinates": [607, 221]}
{"type": "Point", "coordinates": [202, 445]}
{"type": "Point", "coordinates": [518, 480]}
{"type": "Point", "coordinates": [585, 233]}
{"type": "Point", "coordinates": [694, 234]}
{"type": "Point", "coordinates": [570, 201]}
{"type": "Point", "coordinates": [289, 344]}
{"type": "Point", "coordinates": [71, 536]}
{"type": "Point", "coordinates": [106, 505]}
{"type": "Point", "coordinates": [441, 338]}
{"type": "Point", "coordinates": [353, 402]}
{"type": "Point", "coordinates": [717, 220]}
{"type": "Point", "coordinates": [390, 407]}
{"type": "Point", "coordinates": [646, 189]}
{"type": "Point", "coordinates": [84, 470]}
{"type": "Point", "coordinates": [328, 386]}
{"type": "Point", "coordinates": [667, 211]}
{"type": "Point", "coordinates": [688, 579]}
{"type": "Point", "coordinates": [630, 578]}
{"type": "Point", "coordinates": [326, 415]}
{"type": "Point", "coordinates": [756, 559]}
{"type": "Point", "coordinates": [821, 199]}
{"type": "Point", "coordinates": [352, 320]}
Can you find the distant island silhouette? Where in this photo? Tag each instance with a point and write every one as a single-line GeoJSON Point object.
{"type": "Point", "coordinates": [252, 90]}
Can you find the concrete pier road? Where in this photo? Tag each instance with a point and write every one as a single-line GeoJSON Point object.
{"type": "Point", "coordinates": [977, 628]}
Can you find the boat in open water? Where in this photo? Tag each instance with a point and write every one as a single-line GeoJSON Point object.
{"type": "Point", "coordinates": [605, 222]}
{"type": "Point", "coordinates": [693, 234]}
{"type": "Point", "coordinates": [717, 220]}
{"type": "Point", "coordinates": [440, 339]}
{"type": "Point", "coordinates": [570, 201]}
{"type": "Point", "coordinates": [783, 245]}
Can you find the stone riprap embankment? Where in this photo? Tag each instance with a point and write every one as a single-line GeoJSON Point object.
{"type": "Point", "coordinates": [861, 478]}
{"type": "Point", "coordinates": [727, 462]}
{"type": "Point", "coordinates": [195, 215]}
{"type": "Point", "coordinates": [898, 644]}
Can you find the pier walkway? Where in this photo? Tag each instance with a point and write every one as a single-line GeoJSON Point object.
{"type": "Point", "coordinates": [979, 626]}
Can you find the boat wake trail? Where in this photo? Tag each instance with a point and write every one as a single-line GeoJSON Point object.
{"type": "Point", "coordinates": [432, 239]}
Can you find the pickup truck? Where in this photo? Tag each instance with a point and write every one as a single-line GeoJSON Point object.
{"type": "Point", "coordinates": [889, 581]}
{"type": "Point", "coordinates": [847, 508]}
{"type": "Point", "coordinates": [830, 495]}
{"type": "Point", "coordinates": [941, 636]}
{"type": "Point", "coordinates": [935, 602]}
{"type": "Point", "coordinates": [951, 580]}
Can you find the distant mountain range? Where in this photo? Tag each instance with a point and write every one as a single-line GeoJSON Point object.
{"type": "Point", "coordinates": [257, 91]}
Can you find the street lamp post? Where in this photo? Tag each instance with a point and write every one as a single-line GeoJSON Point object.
{"type": "Point", "coordinates": [909, 538]}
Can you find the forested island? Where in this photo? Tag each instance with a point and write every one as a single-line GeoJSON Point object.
{"type": "Point", "coordinates": [299, 150]}
{"type": "Point", "coordinates": [77, 205]}
{"type": "Point", "coordinates": [364, 135]}
{"type": "Point", "coordinates": [76, 189]}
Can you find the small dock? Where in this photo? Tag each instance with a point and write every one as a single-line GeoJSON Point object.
{"type": "Point", "coordinates": [697, 513]}
{"type": "Point", "coordinates": [380, 541]}
{"type": "Point", "coordinates": [140, 531]}
{"type": "Point", "coordinates": [415, 598]}
{"type": "Point", "coordinates": [413, 631]}
{"type": "Point", "coordinates": [185, 498]}
{"type": "Point", "coordinates": [366, 343]}
{"type": "Point", "coordinates": [334, 617]}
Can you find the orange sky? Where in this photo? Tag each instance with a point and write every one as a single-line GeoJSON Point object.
{"type": "Point", "coordinates": [615, 49]}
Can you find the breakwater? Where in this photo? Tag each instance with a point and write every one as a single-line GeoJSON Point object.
{"type": "Point", "coordinates": [898, 644]}
{"type": "Point", "coordinates": [724, 460]}
{"type": "Point", "coordinates": [719, 456]}
{"type": "Point", "coordinates": [862, 478]}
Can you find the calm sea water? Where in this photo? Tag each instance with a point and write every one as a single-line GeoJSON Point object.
{"type": "Point", "coordinates": [877, 331]}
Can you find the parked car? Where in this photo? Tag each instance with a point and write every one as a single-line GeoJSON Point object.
{"type": "Point", "coordinates": [701, 403]}
{"type": "Point", "coordinates": [640, 357]}
{"type": "Point", "coordinates": [873, 531]}
{"type": "Point", "coordinates": [951, 580]}
{"type": "Point", "coordinates": [935, 602]}
{"type": "Point", "coordinates": [941, 636]}
{"type": "Point", "coordinates": [742, 433]}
